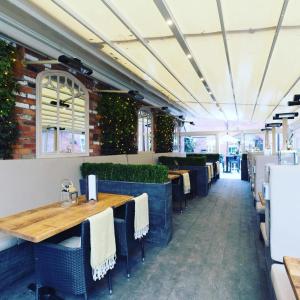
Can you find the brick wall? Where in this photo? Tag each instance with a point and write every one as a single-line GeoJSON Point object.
{"type": "Point", "coordinates": [26, 104]}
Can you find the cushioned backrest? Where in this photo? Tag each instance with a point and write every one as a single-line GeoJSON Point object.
{"type": "Point", "coordinates": [284, 211]}
{"type": "Point", "coordinates": [260, 163]}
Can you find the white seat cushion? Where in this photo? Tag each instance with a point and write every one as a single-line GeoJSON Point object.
{"type": "Point", "coordinates": [260, 209]}
{"type": "Point", "coordinates": [281, 283]}
{"type": "Point", "coordinates": [72, 242]}
{"type": "Point", "coordinates": [264, 233]}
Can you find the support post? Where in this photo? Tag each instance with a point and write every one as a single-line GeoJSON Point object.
{"type": "Point", "coordinates": [285, 129]}
{"type": "Point", "coordinates": [273, 140]}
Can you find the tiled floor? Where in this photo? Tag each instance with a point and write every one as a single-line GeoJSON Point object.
{"type": "Point", "coordinates": [215, 253]}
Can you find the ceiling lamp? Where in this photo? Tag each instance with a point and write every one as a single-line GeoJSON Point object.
{"type": "Point", "coordinates": [266, 129]}
{"type": "Point", "coordinates": [290, 116]}
{"type": "Point", "coordinates": [271, 125]}
{"type": "Point", "coordinates": [75, 64]}
{"type": "Point", "coordinates": [296, 101]}
{"type": "Point", "coordinates": [133, 93]}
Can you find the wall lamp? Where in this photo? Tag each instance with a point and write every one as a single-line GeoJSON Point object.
{"type": "Point", "coordinates": [271, 125]}
{"type": "Point", "coordinates": [70, 62]}
{"type": "Point", "coordinates": [296, 101]}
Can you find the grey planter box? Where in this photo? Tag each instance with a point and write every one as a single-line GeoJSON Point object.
{"type": "Point", "coordinates": [15, 263]}
{"type": "Point", "coordinates": [160, 204]}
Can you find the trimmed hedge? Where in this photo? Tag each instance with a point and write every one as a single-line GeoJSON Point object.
{"type": "Point", "coordinates": [121, 172]}
{"type": "Point", "coordinates": [210, 157]}
{"type": "Point", "coordinates": [182, 161]}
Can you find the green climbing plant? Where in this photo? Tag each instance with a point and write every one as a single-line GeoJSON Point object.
{"type": "Point", "coordinates": [8, 87]}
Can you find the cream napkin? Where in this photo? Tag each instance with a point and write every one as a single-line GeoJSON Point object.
{"type": "Point", "coordinates": [103, 243]}
{"type": "Point", "coordinates": [141, 216]}
{"type": "Point", "coordinates": [186, 183]}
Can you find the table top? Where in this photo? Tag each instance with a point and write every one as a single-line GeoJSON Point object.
{"type": "Point", "coordinates": [292, 266]}
{"type": "Point", "coordinates": [261, 198]}
{"type": "Point", "coordinates": [173, 176]}
{"type": "Point", "coordinates": [178, 172]}
{"type": "Point", "coordinates": [38, 224]}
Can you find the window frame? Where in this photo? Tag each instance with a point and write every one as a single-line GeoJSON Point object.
{"type": "Point", "coordinates": [39, 146]}
{"type": "Point", "coordinates": [148, 111]}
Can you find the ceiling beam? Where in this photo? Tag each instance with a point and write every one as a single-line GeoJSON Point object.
{"type": "Point", "coordinates": [205, 34]}
{"type": "Point", "coordinates": [221, 19]}
{"type": "Point", "coordinates": [167, 15]}
{"type": "Point", "coordinates": [67, 9]}
{"type": "Point", "coordinates": [145, 43]}
{"type": "Point", "coordinates": [278, 27]}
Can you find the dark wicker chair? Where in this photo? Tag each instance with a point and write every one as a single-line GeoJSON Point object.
{"type": "Point", "coordinates": [124, 232]}
{"type": "Point", "coordinates": [66, 269]}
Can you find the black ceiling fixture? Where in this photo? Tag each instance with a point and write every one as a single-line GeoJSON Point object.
{"type": "Point", "coordinates": [290, 116]}
{"type": "Point", "coordinates": [61, 104]}
{"type": "Point", "coordinates": [296, 101]}
{"type": "Point", "coordinates": [266, 129]}
{"type": "Point", "coordinates": [75, 64]}
{"type": "Point", "coordinates": [133, 93]}
{"type": "Point", "coordinates": [271, 125]}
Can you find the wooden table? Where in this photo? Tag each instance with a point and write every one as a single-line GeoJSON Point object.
{"type": "Point", "coordinates": [292, 266]}
{"type": "Point", "coordinates": [179, 172]}
{"type": "Point", "coordinates": [261, 199]}
{"type": "Point", "coordinates": [38, 224]}
{"type": "Point", "coordinates": [173, 176]}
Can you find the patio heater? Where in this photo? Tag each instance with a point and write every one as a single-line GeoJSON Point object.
{"type": "Point", "coordinates": [285, 128]}
{"type": "Point", "coordinates": [267, 138]}
{"type": "Point", "coordinates": [273, 126]}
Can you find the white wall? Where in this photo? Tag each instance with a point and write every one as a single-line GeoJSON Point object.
{"type": "Point", "coordinates": [29, 183]}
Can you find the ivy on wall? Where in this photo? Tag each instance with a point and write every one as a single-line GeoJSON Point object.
{"type": "Point", "coordinates": [164, 134]}
{"type": "Point", "coordinates": [8, 87]}
{"type": "Point", "coordinates": [118, 124]}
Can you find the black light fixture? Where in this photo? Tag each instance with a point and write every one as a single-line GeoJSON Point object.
{"type": "Point", "coordinates": [290, 116]}
{"type": "Point", "coordinates": [271, 125]}
{"type": "Point", "coordinates": [192, 123]}
{"type": "Point", "coordinates": [296, 101]}
{"type": "Point", "coordinates": [180, 117]}
{"type": "Point", "coordinates": [75, 64]}
{"type": "Point", "coordinates": [133, 93]}
{"type": "Point", "coordinates": [266, 129]}
{"type": "Point", "coordinates": [61, 103]}
{"type": "Point", "coordinates": [164, 108]}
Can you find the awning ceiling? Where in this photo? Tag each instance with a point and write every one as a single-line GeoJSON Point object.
{"type": "Point", "coordinates": [224, 59]}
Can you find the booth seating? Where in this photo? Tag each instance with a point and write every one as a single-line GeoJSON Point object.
{"type": "Point", "coordinates": [284, 225]}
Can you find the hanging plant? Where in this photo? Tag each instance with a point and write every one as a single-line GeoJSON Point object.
{"type": "Point", "coordinates": [164, 133]}
{"type": "Point", "coordinates": [118, 124]}
{"type": "Point", "coordinates": [8, 88]}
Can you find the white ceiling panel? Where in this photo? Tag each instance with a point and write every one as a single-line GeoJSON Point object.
{"type": "Point", "coordinates": [178, 62]}
{"type": "Point", "coordinates": [214, 111]}
{"type": "Point", "coordinates": [284, 68]}
{"type": "Point", "coordinates": [262, 112]}
{"type": "Point", "coordinates": [194, 16]}
{"type": "Point", "coordinates": [100, 17]}
{"type": "Point", "coordinates": [209, 54]}
{"type": "Point", "coordinates": [145, 17]}
{"type": "Point", "coordinates": [245, 111]}
{"type": "Point", "coordinates": [66, 20]}
{"type": "Point", "coordinates": [229, 110]}
{"type": "Point", "coordinates": [197, 110]}
{"type": "Point", "coordinates": [251, 14]}
{"type": "Point", "coordinates": [248, 54]}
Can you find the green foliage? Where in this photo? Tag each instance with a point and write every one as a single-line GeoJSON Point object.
{"type": "Point", "coordinates": [210, 157]}
{"type": "Point", "coordinates": [118, 124]}
{"type": "Point", "coordinates": [172, 161]}
{"type": "Point", "coordinates": [131, 173]}
{"type": "Point", "coordinates": [8, 86]}
{"type": "Point", "coordinates": [164, 133]}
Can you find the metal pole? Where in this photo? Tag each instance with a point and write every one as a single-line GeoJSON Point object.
{"type": "Point", "coordinates": [273, 140]}
{"type": "Point", "coordinates": [285, 129]}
